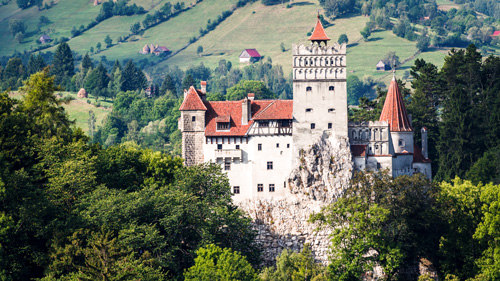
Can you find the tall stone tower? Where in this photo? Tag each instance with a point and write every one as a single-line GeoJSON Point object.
{"type": "Point", "coordinates": [192, 126]}
{"type": "Point", "coordinates": [319, 90]}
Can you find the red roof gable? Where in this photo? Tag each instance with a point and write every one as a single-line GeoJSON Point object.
{"type": "Point", "coordinates": [218, 110]}
{"type": "Point", "coordinates": [496, 33]}
{"type": "Point", "coordinates": [253, 53]}
{"type": "Point", "coordinates": [418, 157]}
{"type": "Point", "coordinates": [358, 149]}
{"type": "Point", "coordinates": [319, 33]}
{"type": "Point", "coordinates": [278, 109]}
{"type": "Point", "coordinates": [394, 111]}
{"type": "Point", "coordinates": [192, 101]}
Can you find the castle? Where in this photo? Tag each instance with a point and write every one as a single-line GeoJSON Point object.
{"type": "Point", "coordinates": [259, 142]}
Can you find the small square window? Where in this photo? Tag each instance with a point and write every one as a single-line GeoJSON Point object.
{"type": "Point", "coordinates": [259, 146]}
{"type": "Point", "coordinates": [237, 146]}
{"type": "Point", "coordinates": [309, 109]}
{"type": "Point", "coordinates": [193, 118]}
{"type": "Point", "coordinates": [271, 187]}
{"type": "Point", "coordinates": [270, 165]}
{"type": "Point", "coordinates": [309, 88]}
{"type": "Point", "coordinates": [260, 187]}
{"type": "Point", "coordinates": [401, 142]}
{"type": "Point", "coordinates": [227, 166]}
{"type": "Point", "coordinates": [329, 125]}
{"type": "Point", "coordinates": [236, 189]}
{"type": "Point", "coordinates": [313, 126]}
{"type": "Point", "coordinates": [219, 146]}
{"type": "Point", "coordinates": [331, 88]}
{"type": "Point", "coordinates": [277, 145]}
{"type": "Point", "coordinates": [287, 145]}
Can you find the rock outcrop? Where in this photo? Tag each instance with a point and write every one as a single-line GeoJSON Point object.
{"type": "Point", "coordinates": [323, 173]}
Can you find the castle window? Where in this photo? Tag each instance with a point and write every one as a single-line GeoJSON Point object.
{"type": "Point", "coordinates": [329, 125]}
{"type": "Point", "coordinates": [313, 126]}
{"type": "Point", "coordinates": [270, 165]}
{"type": "Point", "coordinates": [309, 88]}
{"type": "Point", "coordinates": [401, 142]}
{"type": "Point", "coordinates": [260, 187]}
{"type": "Point", "coordinates": [331, 88]}
{"type": "Point", "coordinates": [219, 146]}
{"type": "Point", "coordinates": [331, 110]}
{"type": "Point", "coordinates": [287, 145]}
{"type": "Point", "coordinates": [285, 123]}
{"type": "Point", "coordinates": [236, 189]}
{"type": "Point", "coordinates": [277, 145]}
{"type": "Point", "coordinates": [271, 187]}
{"type": "Point", "coordinates": [259, 146]}
{"type": "Point", "coordinates": [309, 109]}
{"type": "Point", "coordinates": [227, 166]}
{"type": "Point", "coordinates": [237, 146]}
{"type": "Point", "coordinates": [379, 166]}
{"type": "Point", "coordinates": [193, 118]}
{"type": "Point", "coordinates": [222, 125]}
{"type": "Point", "coordinates": [263, 123]}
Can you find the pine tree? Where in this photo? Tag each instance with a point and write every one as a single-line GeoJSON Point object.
{"type": "Point", "coordinates": [63, 64]}
{"type": "Point", "coordinates": [86, 63]}
{"type": "Point", "coordinates": [168, 85]}
{"type": "Point", "coordinates": [132, 78]}
{"type": "Point", "coordinates": [461, 139]}
{"type": "Point", "coordinates": [13, 74]}
{"type": "Point", "coordinates": [36, 63]}
{"type": "Point", "coordinates": [97, 82]}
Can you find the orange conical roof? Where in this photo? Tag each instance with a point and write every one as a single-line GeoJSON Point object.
{"type": "Point", "coordinates": [394, 111]}
{"type": "Point", "coordinates": [192, 101]}
{"type": "Point", "coordinates": [319, 33]}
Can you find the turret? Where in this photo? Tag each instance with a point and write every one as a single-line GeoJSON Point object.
{"type": "Point", "coordinates": [192, 126]}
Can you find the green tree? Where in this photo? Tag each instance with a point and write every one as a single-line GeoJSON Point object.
{"type": "Point", "coordinates": [63, 66]}
{"type": "Point", "coordinates": [168, 85]}
{"type": "Point", "coordinates": [487, 168]}
{"type": "Point", "coordinates": [86, 64]}
{"type": "Point", "coordinates": [98, 46]}
{"type": "Point", "coordinates": [295, 266]}
{"type": "Point", "coordinates": [366, 32]}
{"type": "Point", "coordinates": [135, 28]}
{"type": "Point", "coordinates": [423, 43]}
{"type": "Point", "coordinates": [97, 82]}
{"type": "Point", "coordinates": [199, 50]}
{"type": "Point", "coordinates": [36, 63]}
{"type": "Point", "coordinates": [132, 78]}
{"type": "Point", "coordinates": [16, 26]}
{"type": "Point", "coordinates": [108, 41]}
{"type": "Point", "coordinates": [343, 39]}
{"type": "Point", "coordinates": [384, 221]}
{"type": "Point", "coordinates": [215, 263]}
{"type": "Point", "coordinates": [244, 87]}
{"type": "Point", "coordinates": [13, 73]}
{"type": "Point", "coordinates": [19, 37]}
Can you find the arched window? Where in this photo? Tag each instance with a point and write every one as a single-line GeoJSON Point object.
{"type": "Point", "coordinates": [309, 88]}
{"type": "Point", "coordinates": [331, 88]}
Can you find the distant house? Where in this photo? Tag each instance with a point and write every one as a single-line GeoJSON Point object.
{"type": "Point", "coordinates": [45, 39]}
{"type": "Point", "coordinates": [250, 55]}
{"type": "Point", "coordinates": [160, 50]}
{"type": "Point", "coordinates": [495, 34]}
{"type": "Point", "coordinates": [382, 66]}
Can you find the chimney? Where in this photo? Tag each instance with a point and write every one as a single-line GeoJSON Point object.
{"type": "Point", "coordinates": [244, 111]}
{"type": "Point", "coordinates": [185, 93]}
{"type": "Point", "coordinates": [410, 119]}
{"type": "Point", "coordinates": [251, 96]}
{"type": "Point", "coordinates": [425, 151]}
{"type": "Point", "coordinates": [204, 87]}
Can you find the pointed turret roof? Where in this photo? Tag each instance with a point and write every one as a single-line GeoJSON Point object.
{"type": "Point", "coordinates": [192, 101]}
{"type": "Point", "coordinates": [319, 33]}
{"type": "Point", "coordinates": [394, 111]}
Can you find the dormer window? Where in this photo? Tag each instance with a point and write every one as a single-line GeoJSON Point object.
{"type": "Point", "coordinates": [223, 126]}
{"type": "Point", "coordinates": [309, 88]}
{"type": "Point", "coordinates": [223, 122]}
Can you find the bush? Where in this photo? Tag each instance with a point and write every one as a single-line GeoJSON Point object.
{"type": "Point", "coordinates": [89, 102]}
{"type": "Point", "coordinates": [98, 104]}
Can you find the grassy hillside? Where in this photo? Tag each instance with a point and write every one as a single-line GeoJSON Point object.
{"type": "Point", "coordinates": [252, 26]}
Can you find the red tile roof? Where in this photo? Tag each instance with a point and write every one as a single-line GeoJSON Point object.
{"type": "Point", "coordinates": [192, 101]}
{"type": "Point", "coordinates": [358, 149]}
{"type": "Point", "coordinates": [253, 53]}
{"type": "Point", "coordinates": [277, 109]}
{"type": "Point", "coordinates": [394, 111]}
{"type": "Point", "coordinates": [223, 119]}
{"type": "Point", "coordinates": [232, 110]}
{"type": "Point", "coordinates": [418, 157]}
{"type": "Point", "coordinates": [319, 33]}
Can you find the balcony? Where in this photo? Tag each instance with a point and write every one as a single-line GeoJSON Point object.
{"type": "Point", "coordinates": [228, 153]}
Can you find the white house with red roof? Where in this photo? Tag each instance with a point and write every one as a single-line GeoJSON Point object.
{"type": "Point", "coordinates": [259, 142]}
{"type": "Point", "coordinates": [250, 55]}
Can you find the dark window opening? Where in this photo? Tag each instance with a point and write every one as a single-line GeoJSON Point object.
{"type": "Point", "coordinates": [329, 125]}
{"type": "Point", "coordinates": [270, 165]}
{"type": "Point", "coordinates": [227, 166]}
{"type": "Point", "coordinates": [219, 146]}
{"type": "Point", "coordinates": [277, 145]}
{"type": "Point", "coordinates": [260, 187]}
{"type": "Point", "coordinates": [271, 187]}
{"type": "Point", "coordinates": [259, 147]}
{"type": "Point", "coordinates": [237, 146]}
{"type": "Point", "coordinates": [331, 110]}
{"type": "Point", "coordinates": [309, 88]}
{"type": "Point", "coordinates": [285, 123]}
{"type": "Point", "coordinates": [223, 126]}
{"type": "Point", "coordinates": [263, 123]}
{"type": "Point", "coordinates": [309, 109]}
{"type": "Point", "coordinates": [236, 189]}
{"type": "Point", "coordinates": [331, 88]}
{"type": "Point", "coordinates": [193, 118]}
{"type": "Point", "coordinates": [313, 126]}
{"type": "Point", "coordinates": [287, 145]}
{"type": "Point", "coordinates": [401, 142]}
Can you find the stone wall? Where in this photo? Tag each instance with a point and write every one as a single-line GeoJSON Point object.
{"type": "Point", "coordinates": [192, 147]}
{"type": "Point", "coordinates": [321, 175]}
